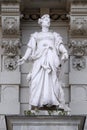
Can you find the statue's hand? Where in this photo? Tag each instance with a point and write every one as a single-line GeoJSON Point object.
{"type": "Point", "coordinates": [20, 61]}
{"type": "Point", "coordinates": [64, 57]}
{"type": "Point", "coordinates": [29, 77]}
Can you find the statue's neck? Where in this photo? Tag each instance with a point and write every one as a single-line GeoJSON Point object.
{"type": "Point", "coordinates": [44, 29]}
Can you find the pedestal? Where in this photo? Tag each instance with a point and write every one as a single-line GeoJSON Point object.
{"type": "Point", "coordinates": [45, 122]}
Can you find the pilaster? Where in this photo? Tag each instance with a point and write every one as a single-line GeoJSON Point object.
{"type": "Point", "coordinates": [10, 43]}
{"type": "Point", "coordinates": [78, 57]}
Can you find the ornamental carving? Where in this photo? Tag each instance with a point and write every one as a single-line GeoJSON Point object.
{"type": "Point", "coordinates": [10, 46]}
{"type": "Point", "coordinates": [10, 25]}
{"type": "Point", "coordinates": [78, 63]}
{"type": "Point", "coordinates": [10, 63]}
{"type": "Point", "coordinates": [78, 47]}
{"type": "Point", "coordinates": [52, 16]}
{"type": "Point", "coordinates": [34, 14]}
{"type": "Point", "coordinates": [79, 25]}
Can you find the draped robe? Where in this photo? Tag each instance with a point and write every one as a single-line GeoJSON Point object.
{"type": "Point", "coordinates": [44, 50]}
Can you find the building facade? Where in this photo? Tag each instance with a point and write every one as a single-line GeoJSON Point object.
{"type": "Point", "coordinates": [18, 19]}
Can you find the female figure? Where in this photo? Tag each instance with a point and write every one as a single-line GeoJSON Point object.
{"type": "Point", "coordinates": [44, 49]}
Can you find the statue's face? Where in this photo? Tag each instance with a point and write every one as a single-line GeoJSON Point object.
{"type": "Point", "coordinates": [45, 22]}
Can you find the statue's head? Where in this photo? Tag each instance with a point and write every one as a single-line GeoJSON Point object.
{"type": "Point", "coordinates": [44, 20]}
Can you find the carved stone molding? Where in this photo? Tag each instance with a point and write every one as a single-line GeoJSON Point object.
{"type": "Point", "coordinates": [79, 25]}
{"type": "Point", "coordinates": [79, 1]}
{"type": "Point", "coordinates": [10, 46]}
{"type": "Point", "coordinates": [10, 63]}
{"type": "Point", "coordinates": [79, 63]}
{"type": "Point", "coordinates": [34, 14]}
{"type": "Point", "coordinates": [79, 7]}
{"type": "Point", "coordinates": [10, 7]}
{"type": "Point", "coordinates": [10, 25]}
{"type": "Point", "coordinates": [55, 14]}
{"type": "Point", "coordinates": [52, 16]}
{"type": "Point", "coordinates": [78, 47]}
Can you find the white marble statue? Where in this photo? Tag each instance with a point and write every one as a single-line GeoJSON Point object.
{"type": "Point", "coordinates": [45, 48]}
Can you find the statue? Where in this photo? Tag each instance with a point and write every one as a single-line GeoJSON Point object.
{"type": "Point", "coordinates": [44, 49]}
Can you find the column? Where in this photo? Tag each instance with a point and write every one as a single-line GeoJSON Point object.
{"type": "Point", "coordinates": [10, 43]}
{"type": "Point", "coordinates": [78, 57]}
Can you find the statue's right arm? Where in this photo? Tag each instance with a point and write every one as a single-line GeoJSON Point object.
{"type": "Point", "coordinates": [25, 57]}
{"type": "Point", "coordinates": [31, 47]}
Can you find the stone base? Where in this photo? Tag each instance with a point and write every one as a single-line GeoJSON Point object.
{"type": "Point", "coordinates": [45, 122]}
{"type": "Point", "coordinates": [48, 110]}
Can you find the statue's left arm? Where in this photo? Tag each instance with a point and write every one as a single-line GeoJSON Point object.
{"type": "Point", "coordinates": [60, 47]}
{"type": "Point", "coordinates": [64, 52]}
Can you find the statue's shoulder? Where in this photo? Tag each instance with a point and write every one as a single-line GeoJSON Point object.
{"type": "Point", "coordinates": [34, 35]}
{"type": "Point", "coordinates": [56, 34]}
{"type": "Point", "coordinates": [58, 38]}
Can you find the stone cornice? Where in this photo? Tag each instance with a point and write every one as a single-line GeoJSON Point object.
{"type": "Point", "coordinates": [78, 9]}
{"type": "Point", "coordinates": [10, 1]}
{"type": "Point", "coordinates": [78, 1]}
{"type": "Point", "coordinates": [10, 8]}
